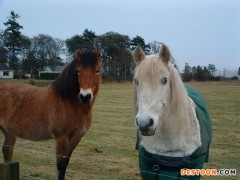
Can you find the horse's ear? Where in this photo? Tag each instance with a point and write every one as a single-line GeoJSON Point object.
{"type": "Point", "coordinates": [138, 54]}
{"type": "Point", "coordinates": [164, 54]}
{"type": "Point", "coordinates": [98, 53]}
{"type": "Point", "coordinates": [78, 54]}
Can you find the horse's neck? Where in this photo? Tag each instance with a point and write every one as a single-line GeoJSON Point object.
{"type": "Point", "coordinates": [177, 135]}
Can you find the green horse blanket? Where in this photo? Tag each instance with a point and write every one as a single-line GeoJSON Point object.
{"type": "Point", "coordinates": [151, 170]}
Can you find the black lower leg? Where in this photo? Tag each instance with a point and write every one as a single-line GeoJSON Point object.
{"type": "Point", "coordinates": [62, 162]}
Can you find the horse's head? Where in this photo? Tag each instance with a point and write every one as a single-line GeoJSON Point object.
{"type": "Point", "coordinates": [89, 75]}
{"type": "Point", "coordinates": [152, 89]}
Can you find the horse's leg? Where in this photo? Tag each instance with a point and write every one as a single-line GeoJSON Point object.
{"type": "Point", "coordinates": [72, 145]}
{"type": "Point", "coordinates": [61, 156]}
{"type": "Point", "coordinates": [64, 152]}
{"type": "Point", "coordinates": [8, 145]}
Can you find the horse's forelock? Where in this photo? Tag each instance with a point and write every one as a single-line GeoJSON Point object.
{"type": "Point", "coordinates": [88, 59]}
{"type": "Point", "coordinates": [150, 71]}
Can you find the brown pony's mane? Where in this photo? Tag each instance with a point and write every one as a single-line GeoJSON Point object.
{"type": "Point", "coordinates": [66, 85]}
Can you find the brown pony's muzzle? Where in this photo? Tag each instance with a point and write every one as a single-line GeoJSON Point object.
{"type": "Point", "coordinates": [85, 96]}
{"type": "Point", "coordinates": [85, 99]}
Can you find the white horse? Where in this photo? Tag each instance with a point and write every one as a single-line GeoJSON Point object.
{"type": "Point", "coordinates": [165, 114]}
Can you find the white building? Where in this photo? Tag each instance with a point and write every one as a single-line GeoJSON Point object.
{"type": "Point", "coordinates": [5, 72]}
{"type": "Point", "coordinates": [52, 69]}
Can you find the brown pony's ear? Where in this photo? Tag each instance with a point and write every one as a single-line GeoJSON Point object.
{"type": "Point", "coordinates": [138, 55]}
{"type": "Point", "coordinates": [98, 53]}
{"type": "Point", "coordinates": [78, 54]}
{"type": "Point", "coordinates": [164, 54]}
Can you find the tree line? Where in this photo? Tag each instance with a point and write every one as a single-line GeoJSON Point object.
{"type": "Point", "coordinates": [199, 73]}
{"type": "Point", "coordinates": [30, 55]}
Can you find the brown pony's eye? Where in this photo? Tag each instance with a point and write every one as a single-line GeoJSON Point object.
{"type": "Point", "coordinates": [97, 71]}
{"type": "Point", "coordinates": [136, 81]}
{"type": "Point", "coordinates": [164, 80]}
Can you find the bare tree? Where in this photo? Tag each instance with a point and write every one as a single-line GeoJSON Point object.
{"type": "Point", "coordinates": [155, 46]}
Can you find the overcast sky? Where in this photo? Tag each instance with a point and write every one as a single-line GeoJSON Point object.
{"type": "Point", "coordinates": [199, 32]}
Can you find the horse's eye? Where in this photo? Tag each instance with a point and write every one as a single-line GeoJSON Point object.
{"type": "Point", "coordinates": [164, 80]}
{"type": "Point", "coordinates": [97, 71]}
{"type": "Point", "coordinates": [136, 81]}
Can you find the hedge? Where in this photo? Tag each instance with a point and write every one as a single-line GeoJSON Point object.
{"type": "Point", "coordinates": [49, 76]}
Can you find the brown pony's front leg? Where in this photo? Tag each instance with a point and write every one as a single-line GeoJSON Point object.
{"type": "Point", "coordinates": [8, 145]}
{"type": "Point", "coordinates": [61, 156]}
{"type": "Point", "coordinates": [63, 152]}
{"type": "Point", "coordinates": [72, 145]}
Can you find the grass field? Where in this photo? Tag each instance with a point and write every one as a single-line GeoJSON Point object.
{"type": "Point", "coordinates": [108, 149]}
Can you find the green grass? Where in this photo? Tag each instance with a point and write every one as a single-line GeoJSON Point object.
{"type": "Point", "coordinates": [108, 149]}
{"type": "Point", "coordinates": [223, 100]}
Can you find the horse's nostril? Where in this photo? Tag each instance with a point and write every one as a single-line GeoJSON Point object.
{"type": "Point", "coordinates": [85, 98]}
{"type": "Point", "coordinates": [151, 122]}
{"type": "Point", "coordinates": [136, 121]}
{"type": "Point", "coordinates": [88, 97]}
{"type": "Point", "coordinates": [81, 97]}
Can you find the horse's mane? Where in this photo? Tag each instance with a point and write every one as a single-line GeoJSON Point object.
{"type": "Point", "coordinates": [66, 85]}
{"type": "Point", "coordinates": [179, 96]}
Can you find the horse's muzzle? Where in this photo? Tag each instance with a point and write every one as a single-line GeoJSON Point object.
{"type": "Point", "coordinates": [85, 99]}
{"type": "Point", "coordinates": [145, 125]}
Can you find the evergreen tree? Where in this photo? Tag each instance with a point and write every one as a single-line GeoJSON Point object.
{"type": "Point", "coordinates": [138, 40]}
{"type": "Point", "coordinates": [12, 36]}
{"type": "Point", "coordinates": [89, 37]}
{"type": "Point", "coordinates": [3, 55]}
{"type": "Point", "coordinates": [187, 73]}
{"type": "Point", "coordinates": [85, 41]}
{"type": "Point", "coordinates": [12, 39]}
{"type": "Point", "coordinates": [74, 43]}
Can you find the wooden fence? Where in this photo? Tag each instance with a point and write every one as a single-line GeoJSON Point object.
{"type": "Point", "coordinates": [9, 171]}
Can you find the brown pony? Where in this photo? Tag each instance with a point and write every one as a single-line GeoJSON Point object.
{"type": "Point", "coordinates": [62, 111]}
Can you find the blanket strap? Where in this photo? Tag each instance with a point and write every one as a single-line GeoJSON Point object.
{"type": "Point", "coordinates": [172, 163]}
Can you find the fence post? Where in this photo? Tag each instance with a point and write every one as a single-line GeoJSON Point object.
{"type": "Point", "coordinates": [9, 170]}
